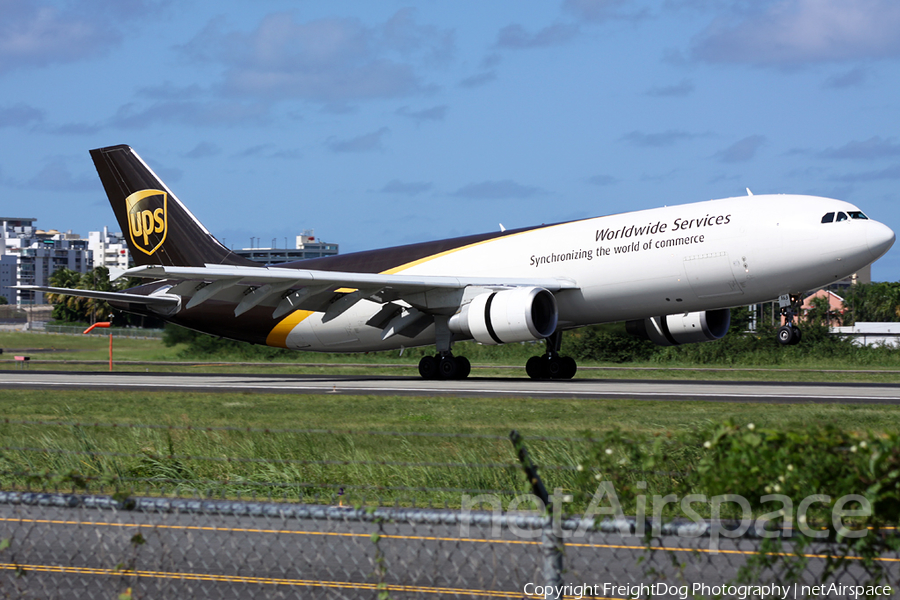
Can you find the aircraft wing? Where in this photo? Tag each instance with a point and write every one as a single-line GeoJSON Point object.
{"type": "Point", "coordinates": [303, 289]}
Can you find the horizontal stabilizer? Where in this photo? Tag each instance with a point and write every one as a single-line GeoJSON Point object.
{"type": "Point", "coordinates": [162, 300]}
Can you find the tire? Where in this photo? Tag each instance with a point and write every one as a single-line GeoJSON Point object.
{"type": "Point", "coordinates": [448, 367]}
{"type": "Point", "coordinates": [535, 368]}
{"type": "Point", "coordinates": [428, 367]}
{"type": "Point", "coordinates": [570, 367]}
{"type": "Point", "coordinates": [464, 367]}
{"type": "Point", "coordinates": [785, 335]}
{"type": "Point", "coordinates": [797, 336]}
{"type": "Point", "coordinates": [555, 368]}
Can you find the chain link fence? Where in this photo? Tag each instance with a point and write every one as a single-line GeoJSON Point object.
{"type": "Point", "coordinates": [116, 332]}
{"type": "Point", "coordinates": [82, 515]}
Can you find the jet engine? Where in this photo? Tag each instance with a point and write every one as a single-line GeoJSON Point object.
{"type": "Point", "coordinates": [514, 315]}
{"type": "Point", "coordinates": [686, 328]}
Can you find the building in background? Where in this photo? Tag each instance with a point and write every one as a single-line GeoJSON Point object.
{"type": "Point", "coordinates": [13, 232]}
{"type": "Point", "coordinates": [109, 249]}
{"type": "Point", "coordinates": [306, 246]}
{"type": "Point", "coordinates": [35, 255]}
{"type": "Point", "coordinates": [8, 277]}
{"type": "Point", "coordinates": [864, 275]}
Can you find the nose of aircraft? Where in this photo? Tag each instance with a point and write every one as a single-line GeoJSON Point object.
{"type": "Point", "coordinates": [880, 238]}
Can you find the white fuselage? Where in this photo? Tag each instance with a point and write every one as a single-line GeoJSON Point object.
{"type": "Point", "coordinates": [678, 259]}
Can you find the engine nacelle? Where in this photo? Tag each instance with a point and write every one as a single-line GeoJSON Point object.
{"type": "Point", "coordinates": [515, 315]}
{"type": "Point", "coordinates": [685, 328]}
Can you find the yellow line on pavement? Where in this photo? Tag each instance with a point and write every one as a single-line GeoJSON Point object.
{"type": "Point", "coordinates": [419, 537]}
{"type": "Point", "coordinates": [257, 580]}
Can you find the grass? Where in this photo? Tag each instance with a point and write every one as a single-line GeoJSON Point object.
{"type": "Point", "coordinates": [300, 464]}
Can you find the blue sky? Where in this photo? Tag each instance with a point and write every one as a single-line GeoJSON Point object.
{"type": "Point", "coordinates": [383, 123]}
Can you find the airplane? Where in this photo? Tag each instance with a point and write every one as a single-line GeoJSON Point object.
{"type": "Point", "coordinates": [672, 274]}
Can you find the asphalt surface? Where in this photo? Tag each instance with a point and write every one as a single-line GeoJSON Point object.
{"type": "Point", "coordinates": [60, 552]}
{"type": "Point", "coordinates": [729, 391]}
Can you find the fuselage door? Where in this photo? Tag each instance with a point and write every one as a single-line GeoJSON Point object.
{"type": "Point", "coordinates": [711, 275]}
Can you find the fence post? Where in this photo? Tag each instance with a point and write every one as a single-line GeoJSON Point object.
{"type": "Point", "coordinates": [551, 543]}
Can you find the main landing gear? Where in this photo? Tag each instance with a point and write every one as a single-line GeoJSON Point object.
{"type": "Point", "coordinates": [443, 365]}
{"type": "Point", "coordinates": [551, 365]}
{"type": "Point", "coordinates": [789, 334]}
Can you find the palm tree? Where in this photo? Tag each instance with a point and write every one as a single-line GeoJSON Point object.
{"type": "Point", "coordinates": [67, 308]}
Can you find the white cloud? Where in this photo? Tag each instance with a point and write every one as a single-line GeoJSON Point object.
{"type": "Point", "coordinates": [871, 149]}
{"type": "Point", "coordinates": [20, 115]}
{"type": "Point", "coordinates": [684, 88]}
{"type": "Point", "coordinates": [742, 150]}
{"type": "Point", "coordinates": [600, 10]}
{"type": "Point", "coordinates": [515, 36]}
{"type": "Point", "coordinates": [333, 60]}
{"type": "Point", "coordinates": [203, 150]}
{"type": "Point", "coordinates": [56, 176]}
{"type": "Point", "coordinates": [657, 140]}
{"type": "Point", "coordinates": [33, 35]}
{"type": "Point", "coordinates": [852, 78]}
{"type": "Point", "coordinates": [368, 142]}
{"type": "Point", "coordinates": [189, 112]}
{"type": "Point", "coordinates": [478, 80]}
{"type": "Point", "coordinates": [796, 32]}
{"type": "Point", "coordinates": [435, 113]}
{"type": "Point", "coordinates": [881, 174]}
{"type": "Point", "coordinates": [404, 188]}
{"type": "Point", "coordinates": [497, 190]}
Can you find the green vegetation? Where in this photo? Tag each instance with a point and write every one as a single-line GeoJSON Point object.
{"type": "Point", "coordinates": [433, 450]}
{"type": "Point", "coordinates": [663, 441]}
{"type": "Point", "coordinates": [72, 309]}
{"type": "Point", "coordinates": [870, 302]}
{"type": "Point", "coordinates": [597, 345]}
{"type": "Point", "coordinates": [819, 349]}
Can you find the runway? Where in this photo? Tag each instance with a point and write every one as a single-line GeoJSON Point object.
{"type": "Point", "coordinates": [719, 391]}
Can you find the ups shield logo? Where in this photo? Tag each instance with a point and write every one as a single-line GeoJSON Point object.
{"type": "Point", "coordinates": [147, 219]}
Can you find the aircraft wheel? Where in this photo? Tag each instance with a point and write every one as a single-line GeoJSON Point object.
{"type": "Point", "coordinates": [535, 368]}
{"type": "Point", "coordinates": [785, 335]}
{"type": "Point", "coordinates": [428, 367]}
{"type": "Point", "coordinates": [464, 367]}
{"type": "Point", "coordinates": [448, 367]}
{"type": "Point", "coordinates": [555, 367]}
{"type": "Point", "coordinates": [797, 336]}
{"type": "Point", "coordinates": [570, 367]}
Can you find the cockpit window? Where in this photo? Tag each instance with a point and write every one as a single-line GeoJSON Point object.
{"type": "Point", "coordinates": [828, 218]}
{"type": "Point", "coordinates": [857, 214]}
{"type": "Point", "coordinates": [841, 217]}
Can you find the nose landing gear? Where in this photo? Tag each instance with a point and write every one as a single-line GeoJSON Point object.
{"type": "Point", "coordinates": [789, 334]}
